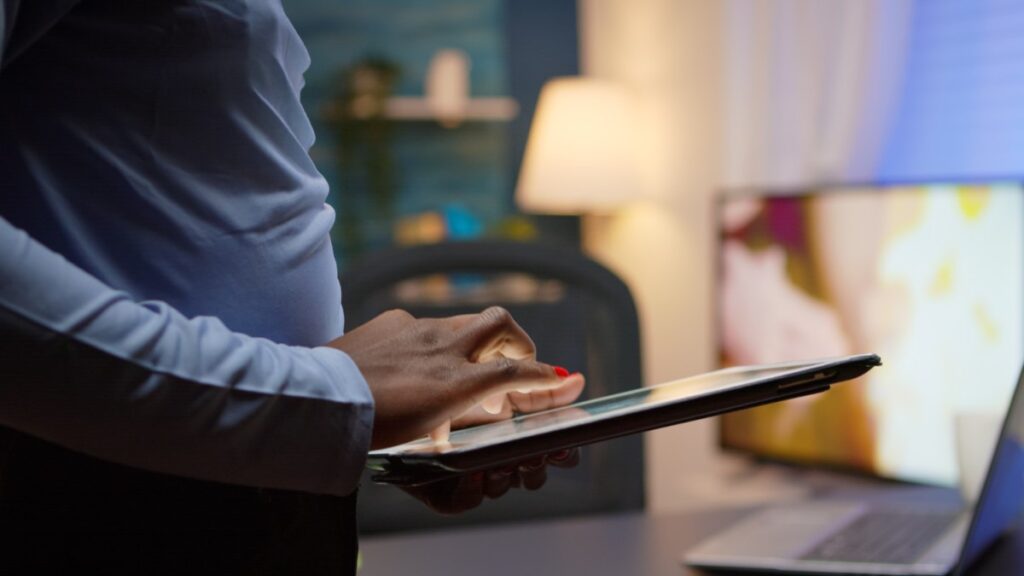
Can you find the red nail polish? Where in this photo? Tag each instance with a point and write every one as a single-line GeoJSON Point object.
{"type": "Point", "coordinates": [561, 372]}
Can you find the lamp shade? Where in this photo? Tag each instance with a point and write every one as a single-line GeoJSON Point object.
{"type": "Point", "coordinates": [580, 155]}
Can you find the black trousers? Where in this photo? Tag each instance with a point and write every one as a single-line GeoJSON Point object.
{"type": "Point", "coordinates": [63, 511]}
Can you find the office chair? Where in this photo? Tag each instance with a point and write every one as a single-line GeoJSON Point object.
{"type": "Point", "coordinates": [579, 314]}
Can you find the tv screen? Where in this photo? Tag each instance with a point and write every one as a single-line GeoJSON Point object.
{"type": "Point", "coordinates": [929, 277]}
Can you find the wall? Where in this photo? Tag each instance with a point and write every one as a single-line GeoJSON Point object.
{"type": "Point", "coordinates": [381, 172]}
{"type": "Point", "coordinates": [668, 52]}
{"type": "Point", "coordinates": [938, 83]}
{"type": "Point", "coordinates": [959, 115]}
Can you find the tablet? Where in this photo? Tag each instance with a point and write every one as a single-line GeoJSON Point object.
{"type": "Point", "coordinates": [530, 435]}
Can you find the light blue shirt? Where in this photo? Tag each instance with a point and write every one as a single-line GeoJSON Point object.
{"type": "Point", "coordinates": [158, 204]}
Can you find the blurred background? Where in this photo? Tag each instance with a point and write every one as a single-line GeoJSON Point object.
{"type": "Point", "coordinates": [720, 157]}
{"type": "Point", "coordinates": [422, 110]}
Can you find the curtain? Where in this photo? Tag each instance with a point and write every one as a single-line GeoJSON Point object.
{"type": "Point", "coordinates": [810, 88]}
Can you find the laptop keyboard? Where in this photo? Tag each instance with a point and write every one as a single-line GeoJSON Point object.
{"type": "Point", "coordinates": [884, 537]}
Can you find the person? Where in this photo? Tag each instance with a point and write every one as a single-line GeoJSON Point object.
{"type": "Point", "coordinates": [176, 391]}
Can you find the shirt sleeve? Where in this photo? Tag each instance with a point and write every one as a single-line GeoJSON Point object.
{"type": "Point", "coordinates": [33, 19]}
{"type": "Point", "coordinates": [86, 367]}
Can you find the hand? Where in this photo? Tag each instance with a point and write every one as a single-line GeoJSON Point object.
{"type": "Point", "coordinates": [425, 373]}
{"type": "Point", "coordinates": [523, 403]}
{"type": "Point", "coordinates": [461, 493]}
{"type": "Point", "coordinates": [453, 495]}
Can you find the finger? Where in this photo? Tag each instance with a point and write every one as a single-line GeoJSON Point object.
{"type": "Point", "coordinates": [504, 405]}
{"type": "Point", "coordinates": [436, 495]}
{"type": "Point", "coordinates": [546, 398]}
{"type": "Point", "coordinates": [533, 474]}
{"type": "Point", "coordinates": [476, 416]}
{"type": "Point", "coordinates": [514, 477]}
{"type": "Point", "coordinates": [514, 402]}
{"type": "Point", "coordinates": [461, 321]}
{"type": "Point", "coordinates": [440, 434]}
{"type": "Point", "coordinates": [494, 404]}
{"type": "Point", "coordinates": [469, 494]}
{"type": "Point", "coordinates": [497, 482]}
{"type": "Point", "coordinates": [493, 334]}
{"type": "Point", "coordinates": [505, 375]}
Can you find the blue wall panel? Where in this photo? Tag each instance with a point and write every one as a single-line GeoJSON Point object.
{"type": "Point", "coordinates": [961, 110]}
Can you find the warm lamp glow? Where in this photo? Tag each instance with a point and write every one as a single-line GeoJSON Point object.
{"type": "Point", "coordinates": [580, 156]}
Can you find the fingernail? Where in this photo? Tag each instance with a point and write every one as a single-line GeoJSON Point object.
{"type": "Point", "coordinates": [561, 372]}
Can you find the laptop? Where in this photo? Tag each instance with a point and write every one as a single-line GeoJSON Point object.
{"type": "Point", "coordinates": [848, 537]}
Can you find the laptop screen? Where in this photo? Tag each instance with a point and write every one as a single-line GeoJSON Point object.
{"type": "Point", "coordinates": [1000, 501]}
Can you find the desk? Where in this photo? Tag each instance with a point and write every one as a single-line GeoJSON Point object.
{"type": "Point", "coordinates": [632, 544]}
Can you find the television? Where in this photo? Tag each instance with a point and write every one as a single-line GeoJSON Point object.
{"type": "Point", "coordinates": [930, 277]}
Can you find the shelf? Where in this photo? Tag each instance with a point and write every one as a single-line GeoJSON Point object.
{"type": "Point", "coordinates": [410, 108]}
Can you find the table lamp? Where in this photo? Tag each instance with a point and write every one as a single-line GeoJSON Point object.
{"type": "Point", "coordinates": [581, 153]}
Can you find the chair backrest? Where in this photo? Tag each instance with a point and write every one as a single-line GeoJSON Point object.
{"type": "Point", "coordinates": [579, 314]}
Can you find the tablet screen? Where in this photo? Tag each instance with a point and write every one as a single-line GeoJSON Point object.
{"type": "Point", "coordinates": [598, 408]}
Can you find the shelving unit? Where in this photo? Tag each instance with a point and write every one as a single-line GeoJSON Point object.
{"type": "Point", "coordinates": [498, 109]}
{"type": "Point", "coordinates": [418, 109]}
